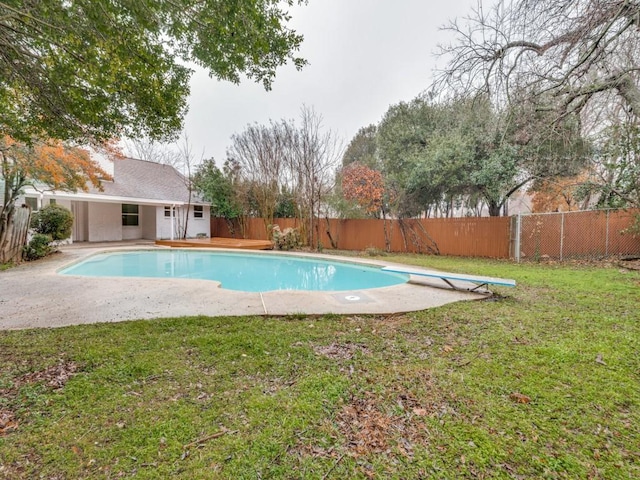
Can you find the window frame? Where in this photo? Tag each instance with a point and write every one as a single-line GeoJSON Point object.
{"type": "Point", "coordinates": [33, 200]}
{"type": "Point", "coordinates": [130, 216]}
{"type": "Point", "coordinates": [198, 211]}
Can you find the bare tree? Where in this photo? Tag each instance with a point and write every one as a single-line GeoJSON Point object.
{"type": "Point", "coordinates": [315, 155]}
{"type": "Point", "coordinates": [186, 162]}
{"type": "Point", "coordinates": [181, 157]}
{"type": "Point", "coordinates": [567, 52]}
{"type": "Point", "coordinates": [259, 151]}
{"type": "Point", "coordinates": [285, 158]}
{"type": "Point", "coordinates": [152, 151]}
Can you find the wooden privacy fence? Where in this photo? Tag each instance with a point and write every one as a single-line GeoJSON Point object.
{"type": "Point", "coordinates": [590, 234]}
{"type": "Point", "coordinates": [16, 236]}
{"type": "Point", "coordinates": [469, 236]}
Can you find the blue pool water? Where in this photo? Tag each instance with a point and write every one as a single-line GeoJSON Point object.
{"type": "Point", "coordinates": [238, 271]}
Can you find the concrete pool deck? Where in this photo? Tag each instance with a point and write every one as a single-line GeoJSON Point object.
{"type": "Point", "coordinates": [34, 295]}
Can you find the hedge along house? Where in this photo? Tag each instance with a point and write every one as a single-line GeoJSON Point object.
{"type": "Point", "coordinates": [145, 200]}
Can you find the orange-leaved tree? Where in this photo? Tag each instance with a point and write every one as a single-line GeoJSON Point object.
{"type": "Point", "coordinates": [559, 194]}
{"type": "Point", "coordinates": [44, 165]}
{"type": "Point", "coordinates": [363, 185]}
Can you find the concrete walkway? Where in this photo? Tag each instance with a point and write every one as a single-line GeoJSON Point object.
{"type": "Point", "coordinates": [33, 295]}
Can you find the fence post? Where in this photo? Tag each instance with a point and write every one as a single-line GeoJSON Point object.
{"type": "Point", "coordinates": [516, 246]}
{"type": "Point", "coordinates": [606, 241]}
{"type": "Point", "coordinates": [561, 234]}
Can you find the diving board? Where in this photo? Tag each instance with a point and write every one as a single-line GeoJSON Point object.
{"type": "Point", "coordinates": [477, 280]}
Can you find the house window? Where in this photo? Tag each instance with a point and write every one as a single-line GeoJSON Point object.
{"type": "Point", "coordinates": [167, 212]}
{"type": "Point", "coordinates": [52, 201]}
{"type": "Point", "coordinates": [130, 215]}
{"type": "Point", "coordinates": [198, 211]}
{"type": "Point", "coordinates": [31, 202]}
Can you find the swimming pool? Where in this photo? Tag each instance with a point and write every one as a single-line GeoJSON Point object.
{"type": "Point", "coordinates": [238, 271]}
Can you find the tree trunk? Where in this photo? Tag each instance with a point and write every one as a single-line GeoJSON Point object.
{"type": "Point", "coordinates": [494, 209]}
{"type": "Point", "coordinates": [334, 243]}
{"type": "Point", "coordinates": [5, 219]}
{"type": "Point", "coordinates": [387, 237]}
{"type": "Point", "coordinates": [13, 237]}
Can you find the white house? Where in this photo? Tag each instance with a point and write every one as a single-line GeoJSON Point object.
{"type": "Point", "coordinates": [145, 200]}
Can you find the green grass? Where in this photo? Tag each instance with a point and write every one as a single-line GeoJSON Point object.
{"type": "Point", "coordinates": [422, 395]}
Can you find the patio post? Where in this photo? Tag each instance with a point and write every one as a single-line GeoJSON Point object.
{"type": "Point", "coordinates": [173, 219]}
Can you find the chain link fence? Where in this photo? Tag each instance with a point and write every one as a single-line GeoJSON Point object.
{"type": "Point", "coordinates": [585, 235]}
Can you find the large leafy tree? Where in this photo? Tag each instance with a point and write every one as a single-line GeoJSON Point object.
{"type": "Point", "coordinates": [615, 176]}
{"type": "Point", "coordinates": [219, 187]}
{"type": "Point", "coordinates": [405, 130]}
{"type": "Point", "coordinates": [93, 70]}
{"type": "Point", "coordinates": [52, 165]}
{"type": "Point", "coordinates": [363, 148]}
{"type": "Point", "coordinates": [438, 155]}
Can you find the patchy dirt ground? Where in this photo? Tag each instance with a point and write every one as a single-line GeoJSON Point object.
{"type": "Point", "coordinates": [337, 351]}
{"type": "Point", "coordinates": [630, 264]}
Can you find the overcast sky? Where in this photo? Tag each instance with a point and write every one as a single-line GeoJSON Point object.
{"type": "Point", "coordinates": [364, 55]}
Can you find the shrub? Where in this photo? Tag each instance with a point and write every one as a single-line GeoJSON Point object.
{"type": "Point", "coordinates": [287, 239]}
{"type": "Point", "coordinates": [54, 220]}
{"type": "Point", "coordinates": [38, 247]}
{"type": "Point", "coordinates": [374, 252]}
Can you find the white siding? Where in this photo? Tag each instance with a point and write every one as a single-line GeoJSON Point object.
{"type": "Point", "coordinates": [130, 232]}
{"type": "Point", "coordinates": [148, 221]}
{"type": "Point", "coordinates": [200, 225]}
{"type": "Point", "coordinates": [163, 225]}
{"type": "Point", "coordinates": [195, 226]}
{"type": "Point", "coordinates": [105, 222]}
{"type": "Point", "coordinates": [63, 202]}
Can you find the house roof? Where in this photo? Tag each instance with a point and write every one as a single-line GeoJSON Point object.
{"type": "Point", "coordinates": [141, 179]}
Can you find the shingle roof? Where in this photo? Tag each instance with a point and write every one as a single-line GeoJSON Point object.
{"type": "Point", "coordinates": [142, 179]}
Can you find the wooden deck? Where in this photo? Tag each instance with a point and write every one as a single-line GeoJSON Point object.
{"type": "Point", "coordinates": [218, 242]}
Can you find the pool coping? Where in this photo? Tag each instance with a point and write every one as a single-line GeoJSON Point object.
{"type": "Point", "coordinates": [37, 296]}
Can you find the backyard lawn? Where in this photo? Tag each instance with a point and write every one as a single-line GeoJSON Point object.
{"type": "Point", "coordinates": [540, 381]}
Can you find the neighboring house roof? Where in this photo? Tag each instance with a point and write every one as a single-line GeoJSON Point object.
{"type": "Point", "coordinates": [148, 180]}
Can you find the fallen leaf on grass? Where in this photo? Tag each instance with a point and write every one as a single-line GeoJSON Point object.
{"type": "Point", "coordinates": [7, 422]}
{"type": "Point", "coordinates": [519, 398]}
{"type": "Point", "coordinates": [600, 360]}
{"type": "Point", "coordinates": [421, 412]}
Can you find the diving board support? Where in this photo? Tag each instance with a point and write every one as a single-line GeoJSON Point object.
{"type": "Point", "coordinates": [448, 278]}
